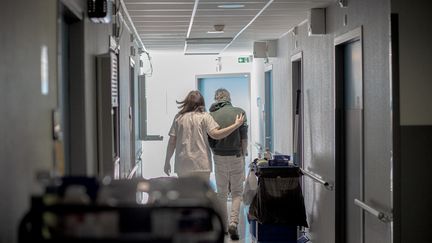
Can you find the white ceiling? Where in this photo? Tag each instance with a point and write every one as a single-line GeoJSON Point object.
{"type": "Point", "coordinates": [163, 24]}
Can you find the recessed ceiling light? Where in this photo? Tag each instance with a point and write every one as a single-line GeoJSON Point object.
{"type": "Point", "coordinates": [231, 6]}
{"type": "Point", "coordinates": [215, 32]}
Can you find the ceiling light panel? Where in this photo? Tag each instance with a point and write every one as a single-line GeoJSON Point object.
{"type": "Point", "coordinates": [215, 32]}
{"type": "Point", "coordinates": [231, 6]}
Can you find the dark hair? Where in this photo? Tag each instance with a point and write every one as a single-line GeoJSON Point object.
{"type": "Point", "coordinates": [194, 101]}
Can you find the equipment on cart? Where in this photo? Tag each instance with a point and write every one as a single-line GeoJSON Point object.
{"type": "Point", "coordinates": [279, 160]}
{"type": "Point", "coordinates": [80, 209]}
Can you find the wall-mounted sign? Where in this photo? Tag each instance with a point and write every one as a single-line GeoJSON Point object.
{"type": "Point", "coordinates": [243, 60]}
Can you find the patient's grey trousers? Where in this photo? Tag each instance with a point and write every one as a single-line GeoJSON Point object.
{"type": "Point", "coordinates": [230, 175]}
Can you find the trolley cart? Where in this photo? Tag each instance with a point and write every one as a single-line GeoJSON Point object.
{"type": "Point", "coordinates": [278, 207]}
{"type": "Point", "coordinates": [178, 210]}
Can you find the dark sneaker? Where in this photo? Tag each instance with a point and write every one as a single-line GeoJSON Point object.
{"type": "Point", "coordinates": [232, 230]}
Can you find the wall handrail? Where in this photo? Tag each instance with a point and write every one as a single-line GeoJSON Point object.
{"type": "Point", "coordinates": [138, 162]}
{"type": "Point", "coordinates": [117, 168]}
{"type": "Point", "coordinates": [259, 146]}
{"type": "Point", "coordinates": [135, 169]}
{"type": "Point", "coordinates": [326, 184]}
{"type": "Point", "coordinates": [383, 217]}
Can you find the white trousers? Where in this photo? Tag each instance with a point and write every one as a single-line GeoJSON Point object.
{"type": "Point", "coordinates": [230, 175]}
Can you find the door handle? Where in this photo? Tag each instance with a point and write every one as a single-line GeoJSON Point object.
{"type": "Point", "coordinates": [383, 217]}
{"type": "Point", "coordinates": [117, 168]}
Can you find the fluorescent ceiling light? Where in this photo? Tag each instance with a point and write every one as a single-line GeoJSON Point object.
{"type": "Point", "coordinates": [208, 41]}
{"type": "Point", "coordinates": [231, 6]}
{"type": "Point", "coordinates": [215, 32]}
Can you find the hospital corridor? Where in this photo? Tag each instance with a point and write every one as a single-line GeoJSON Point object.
{"type": "Point", "coordinates": [216, 121]}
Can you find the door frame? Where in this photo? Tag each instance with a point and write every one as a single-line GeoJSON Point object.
{"type": "Point", "coordinates": [68, 93]}
{"type": "Point", "coordinates": [132, 77]}
{"type": "Point", "coordinates": [396, 136]}
{"type": "Point", "coordinates": [298, 57]}
{"type": "Point", "coordinates": [355, 34]}
{"type": "Point", "coordinates": [269, 68]}
{"type": "Point", "coordinates": [224, 75]}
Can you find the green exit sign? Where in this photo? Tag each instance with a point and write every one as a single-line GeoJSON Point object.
{"type": "Point", "coordinates": [243, 60]}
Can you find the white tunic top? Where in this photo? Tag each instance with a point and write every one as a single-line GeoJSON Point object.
{"type": "Point", "coordinates": [192, 152]}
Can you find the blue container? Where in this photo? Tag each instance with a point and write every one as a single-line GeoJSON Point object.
{"type": "Point", "coordinates": [279, 160]}
{"type": "Point", "coordinates": [281, 157]}
{"type": "Point", "coordinates": [264, 233]}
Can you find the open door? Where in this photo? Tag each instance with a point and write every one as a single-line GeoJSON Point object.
{"type": "Point", "coordinates": [268, 110]}
{"type": "Point", "coordinates": [297, 108]}
{"type": "Point", "coordinates": [71, 110]}
{"type": "Point", "coordinates": [239, 87]}
{"type": "Point", "coordinates": [349, 138]}
{"type": "Point", "coordinates": [358, 215]}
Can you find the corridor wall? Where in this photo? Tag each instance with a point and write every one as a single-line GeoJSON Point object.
{"type": "Point", "coordinates": [319, 112]}
{"type": "Point", "coordinates": [29, 91]}
{"type": "Point", "coordinates": [26, 144]}
{"type": "Point", "coordinates": [413, 156]}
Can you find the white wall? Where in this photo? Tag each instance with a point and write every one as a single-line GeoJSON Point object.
{"type": "Point", "coordinates": [319, 114]}
{"type": "Point", "coordinates": [257, 107]}
{"type": "Point", "coordinates": [282, 107]}
{"type": "Point", "coordinates": [173, 77]}
{"type": "Point", "coordinates": [282, 99]}
{"type": "Point", "coordinates": [27, 146]}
